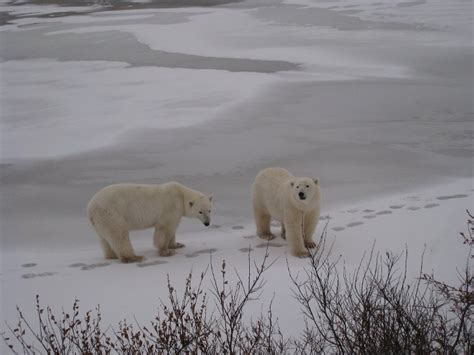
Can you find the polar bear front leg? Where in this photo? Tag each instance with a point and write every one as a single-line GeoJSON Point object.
{"type": "Point", "coordinates": [123, 248]}
{"type": "Point", "coordinates": [262, 222]}
{"type": "Point", "coordinates": [161, 239]}
{"type": "Point", "coordinates": [293, 228]}
{"type": "Point", "coordinates": [310, 223]}
{"type": "Point", "coordinates": [173, 244]}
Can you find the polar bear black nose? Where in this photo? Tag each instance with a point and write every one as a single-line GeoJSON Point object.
{"type": "Point", "coordinates": [301, 195]}
{"type": "Point", "coordinates": [206, 224]}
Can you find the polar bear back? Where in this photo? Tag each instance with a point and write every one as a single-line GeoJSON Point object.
{"type": "Point", "coordinates": [269, 192]}
{"type": "Point", "coordinates": [137, 205]}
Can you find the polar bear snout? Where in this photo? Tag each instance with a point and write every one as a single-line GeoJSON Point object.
{"type": "Point", "coordinates": [205, 219]}
{"type": "Point", "coordinates": [301, 195]}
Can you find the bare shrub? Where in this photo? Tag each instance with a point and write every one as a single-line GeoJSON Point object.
{"type": "Point", "coordinates": [374, 309]}
{"type": "Point", "coordinates": [183, 326]}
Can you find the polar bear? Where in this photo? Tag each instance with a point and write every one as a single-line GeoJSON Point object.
{"type": "Point", "coordinates": [293, 201]}
{"type": "Point", "coordinates": [118, 209]}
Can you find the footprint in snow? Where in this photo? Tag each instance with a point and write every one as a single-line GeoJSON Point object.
{"type": "Point", "coordinates": [384, 212]}
{"type": "Point", "coordinates": [203, 251]}
{"type": "Point", "coordinates": [396, 207]}
{"type": "Point", "coordinates": [413, 208]}
{"type": "Point", "coordinates": [368, 210]}
{"type": "Point", "coordinates": [449, 197]}
{"type": "Point", "coordinates": [151, 263]}
{"type": "Point", "coordinates": [354, 224]}
{"type": "Point", "coordinates": [93, 266]}
{"type": "Point", "coordinates": [42, 274]}
{"type": "Point", "coordinates": [237, 227]}
{"type": "Point", "coordinates": [431, 205]}
{"type": "Point", "coordinates": [270, 244]}
{"type": "Point", "coordinates": [214, 226]}
{"type": "Point", "coordinates": [77, 265]}
{"type": "Point", "coordinates": [249, 236]}
{"type": "Point", "coordinates": [245, 250]}
{"type": "Point", "coordinates": [338, 229]}
{"type": "Point", "coordinates": [29, 265]}
{"type": "Point", "coordinates": [370, 216]}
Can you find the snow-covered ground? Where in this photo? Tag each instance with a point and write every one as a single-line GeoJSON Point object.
{"type": "Point", "coordinates": [425, 222]}
{"type": "Point", "coordinates": [372, 97]}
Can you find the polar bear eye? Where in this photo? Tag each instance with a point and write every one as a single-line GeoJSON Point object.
{"type": "Point", "coordinates": [307, 186]}
{"type": "Point", "coordinates": [200, 212]}
{"type": "Point", "coordinates": [297, 186]}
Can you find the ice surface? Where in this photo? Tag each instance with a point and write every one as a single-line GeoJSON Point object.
{"type": "Point", "coordinates": [372, 97]}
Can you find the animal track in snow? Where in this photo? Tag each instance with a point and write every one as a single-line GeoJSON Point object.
{"type": "Point", "coordinates": [449, 197]}
{"type": "Point", "coordinates": [93, 266]}
{"type": "Point", "coordinates": [202, 251]}
{"type": "Point", "coordinates": [77, 265]}
{"type": "Point", "coordinates": [383, 212]}
{"type": "Point", "coordinates": [237, 227]}
{"type": "Point", "coordinates": [413, 208]}
{"type": "Point", "coordinates": [396, 207]}
{"type": "Point", "coordinates": [354, 224]}
{"type": "Point", "coordinates": [431, 205]}
{"type": "Point", "coordinates": [29, 265]}
{"type": "Point", "coordinates": [271, 244]}
{"type": "Point", "coordinates": [41, 274]}
{"type": "Point", "coordinates": [338, 229]}
{"type": "Point", "coordinates": [151, 263]}
{"type": "Point", "coordinates": [249, 236]}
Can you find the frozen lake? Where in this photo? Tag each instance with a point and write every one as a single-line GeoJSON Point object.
{"type": "Point", "coordinates": [369, 97]}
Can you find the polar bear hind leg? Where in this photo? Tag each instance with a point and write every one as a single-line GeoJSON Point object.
{"type": "Point", "coordinates": [115, 241]}
{"type": "Point", "coordinates": [162, 239]}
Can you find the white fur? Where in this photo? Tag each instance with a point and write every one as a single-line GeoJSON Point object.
{"type": "Point", "coordinates": [118, 209]}
{"type": "Point", "coordinates": [275, 195]}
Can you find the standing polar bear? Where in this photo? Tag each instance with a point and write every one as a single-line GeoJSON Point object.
{"type": "Point", "coordinates": [118, 209]}
{"type": "Point", "coordinates": [293, 201]}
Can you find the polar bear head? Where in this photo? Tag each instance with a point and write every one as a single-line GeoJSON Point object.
{"type": "Point", "coordinates": [305, 191]}
{"type": "Point", "coordinates": [200, 208]}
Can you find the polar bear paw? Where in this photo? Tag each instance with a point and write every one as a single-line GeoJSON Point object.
{"type": "Point", "coordinates": [301, 254]}
{"type": "Point", "coordinates": [267, 236]}
{"type": "Point", "coordinates": [132, 259]}
{"type": "Point", "coordinates": [177, 245]}
{"type": "Point", "coordinates": [166, 252]}
{"type": "Point", "coordinates": [310, 244]}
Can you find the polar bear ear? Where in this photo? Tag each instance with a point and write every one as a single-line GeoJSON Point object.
{"type": "Point", "coordinates": [316, 181]}
{"type": "Point", "coordinates": [210, 198]}
{"type": "Point", "coordinates": [191, 203]}
{"type": "Point", "coordinates": [292, 184]}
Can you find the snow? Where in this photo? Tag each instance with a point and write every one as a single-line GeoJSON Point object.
{"type": "Point", "coordinates": [426, 221]}
{"type": "Point", "coordinates": [374, 98]}
{"type": "Point", "coordinates": [43, 96]}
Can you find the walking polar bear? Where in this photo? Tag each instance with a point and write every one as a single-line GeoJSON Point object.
{"type": "Point", "coordinates": [293, 201]}
{"type": "Point", "coordinates": [118, 209]}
